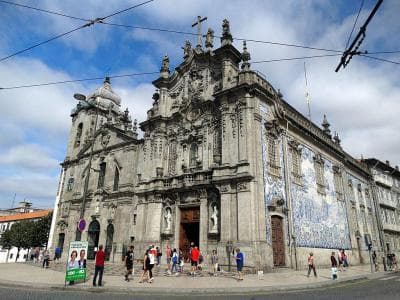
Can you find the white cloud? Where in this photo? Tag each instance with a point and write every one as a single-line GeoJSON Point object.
{"type": "Point", "coordinates": [29, 156]}
{"type": "Point", "coordinates": [361, 101]}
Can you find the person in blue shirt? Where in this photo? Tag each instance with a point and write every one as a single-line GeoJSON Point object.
{"type": "Point", "coordinates": [239, 263]}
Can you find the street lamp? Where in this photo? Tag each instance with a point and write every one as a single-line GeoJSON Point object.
{"type": "Point", "coordinates": [83, 98]}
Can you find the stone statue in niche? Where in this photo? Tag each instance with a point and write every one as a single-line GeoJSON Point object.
{"type": "Point", "coordinates": [112, 212]}
{"type": "Point", "coordinates": [168, 219]}
{"type": "Point", "coordinates": [214, 218]}
{"type": "Point", "coordinates": [97, 208]}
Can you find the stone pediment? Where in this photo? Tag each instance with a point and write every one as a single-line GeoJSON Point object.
{"type": "Point", "coordinates": [105, 138]}
{"type": "Point", "coordinates": [194, 82]}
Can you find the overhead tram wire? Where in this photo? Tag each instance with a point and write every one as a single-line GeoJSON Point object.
{"type": "Point", "coordinates": [216, 36]}
{"type": "Point", "coordinates": [45, 11]}
{"type": "Point", "coordinates": [149, 73]}
{"type": "Point", "coordinates": [75, 80]}
{"type": "Point", "coordinates": [157, 72]}
{"type": "Point", "coordinates": [89, 23]}
{"type": "Point", "coordinates": [101, 21]}
{"type": "Point", "coordinates": [185, 32]}
{"type": "Point", "coordinates": [294, 58]}
{"type": "Point", "coordinates": [354, 25]}
{"type": "Point", "coordinates": [380, 59]}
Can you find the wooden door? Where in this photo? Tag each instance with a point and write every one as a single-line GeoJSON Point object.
{"type": "Point", "coordinates": [189, 229]}
{"type": "Point", "coordinates": [278, 245]}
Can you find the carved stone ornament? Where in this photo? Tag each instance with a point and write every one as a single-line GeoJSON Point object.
{"type": "Point", "coordinates": [209, 39]}
{"type": "Point", "coordinates": [105, 139]}
{"type": "Point", "coordinates": [187, 49]}
{"type": "Point", "coordinates": [273, 128]}
{"type": "Point", "coordinates": [62, 225]}
{"type": "Point", "coordinates": [242, 186]}
{"type": "Point", "coordinates": [224, 188]}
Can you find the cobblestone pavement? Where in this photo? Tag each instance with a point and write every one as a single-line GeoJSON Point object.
{"type": "Point", "coordinates": [382, 288]}
{"type": "Point", "coordinates": [24, 274]}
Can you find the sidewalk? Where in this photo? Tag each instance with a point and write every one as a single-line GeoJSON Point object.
{"type": "Point", "coordinates": [19, 274]}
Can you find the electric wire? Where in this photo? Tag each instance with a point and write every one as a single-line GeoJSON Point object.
{"type": "Point", "coordinates": [188, 33]}
{"type": "Point", "coordinates": [380, 59]}
{"type": "Point", "coordinates": [45, 11]}
{"type": "Point", "coordinates": [355, 23]}
{"type": "Point", "coordinates": [294, 58]}
{"type": "Point", "coordinates": [89, 23]}
{"type": "Point", "coordinates": [101, 21]}
{"type": "Point", "coordinates": [75, 80]}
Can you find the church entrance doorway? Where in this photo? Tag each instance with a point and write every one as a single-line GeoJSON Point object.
{"type": "Point", "coordinates": [278, 246]}
{"type": "Point", "coordinates": [189, 229]}
{"type": "Point", "coordinates": [93, 238]}
{"type": "Point", "coordinates": [109, 240]}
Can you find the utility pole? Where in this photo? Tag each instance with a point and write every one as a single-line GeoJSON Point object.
{"type": "Point", "coordinates": [349, 53]}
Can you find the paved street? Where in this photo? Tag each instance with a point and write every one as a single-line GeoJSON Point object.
{"type": "Point", "coordinates": [387, 287]}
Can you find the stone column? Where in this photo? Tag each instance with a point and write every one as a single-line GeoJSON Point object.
{"type": "Point", "coordinates": [203, 221]}
{"type": "Point", "coordinates": [226, 213]}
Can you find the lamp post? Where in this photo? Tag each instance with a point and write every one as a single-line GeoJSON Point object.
{"type": "Point", "coordinates": [83, 98]}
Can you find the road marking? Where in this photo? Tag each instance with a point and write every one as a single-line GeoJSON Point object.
{"type": "Point", "coordinates": [390, 277]}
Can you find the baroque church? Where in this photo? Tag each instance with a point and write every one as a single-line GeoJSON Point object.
{"type": "Point", "coordinates": [225, 161]}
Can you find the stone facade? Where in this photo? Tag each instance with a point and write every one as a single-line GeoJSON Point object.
{"type": "Point", "coordinates": [224, 161]}
{"type": "Point", "coordinates": [386, 189]}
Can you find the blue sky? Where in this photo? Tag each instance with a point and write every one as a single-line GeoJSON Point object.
{"type": "Point", "coordinates": [361, 101]}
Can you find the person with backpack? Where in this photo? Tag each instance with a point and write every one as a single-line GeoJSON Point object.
{"type": "Point", "coordinates": [175, 261]}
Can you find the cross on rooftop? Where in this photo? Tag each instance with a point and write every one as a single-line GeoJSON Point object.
{"type": "Point", "coordinates": [198, 24]}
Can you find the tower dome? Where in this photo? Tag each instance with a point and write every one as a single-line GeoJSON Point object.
{"type": "Point", "coordinates": [106, 94]}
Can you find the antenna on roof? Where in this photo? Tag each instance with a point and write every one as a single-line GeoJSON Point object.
{"type": "Point", "coordinates": [307, 95]}
{"type": "Point", "coordinates": [12, 203]}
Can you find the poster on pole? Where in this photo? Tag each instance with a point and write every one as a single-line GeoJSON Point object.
{"type": "Point", "coordinates": [76, 264]}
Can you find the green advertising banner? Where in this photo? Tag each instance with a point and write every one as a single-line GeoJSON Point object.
{"type": "Point", "coordinates": [76, 263]}
{"type": "Point", "coordinates": [75, 274]}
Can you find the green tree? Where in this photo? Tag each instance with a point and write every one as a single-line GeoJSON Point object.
{"type": "Point", "coordinates": [40, 231]}
{"type": "Point", "coordinates": [5, 240]}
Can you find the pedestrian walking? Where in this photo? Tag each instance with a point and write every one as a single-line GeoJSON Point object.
{"type": "Point", "coordinates": [159, 254]}
{"type": "Point", "coordinates": [181, 261]}
{"type": "Point", "coordinates": [239, 263]}
{"type": "Point", "coordinates": [311, 265]}
{"type": "Point", "coordinates": [345, 259]}
{"type": "Point", "coordinates": [175, 261]}
{"type": "Point", "coordinates": [375, 260]}
{"type": "Point", "coordinates": [214, 262]}
{"type": "Point", "coordinates": [146, 266]}
{"type": "Point", "coordinates": [129, 256]}
{"type": "Point", "coordinates": [334, 262]}
{"type": "Point", "coordinates": [99, 266]}
{"type": "Point", "coordinates": [195, 254]}
{"type": "Point", "coordinates": [152, 258]}
{"type": "Point", "coordinates": [57, 254]}
{"type": "Point", "coordinates": [168, 255]}
{"type": "Point", "coordinates": [334, 265]}
{"type": "Point", "coordinates": [46, 258]}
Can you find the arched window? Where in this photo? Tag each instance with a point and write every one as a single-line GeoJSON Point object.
{"type": "Point", "coordinates": [116, 179]}
{"type": "Point", "coordinates": [102, 175]}
{"type": "Point", "coordinates": [78, 135]}
{"type": "Point", "coordinates": [193, 154]}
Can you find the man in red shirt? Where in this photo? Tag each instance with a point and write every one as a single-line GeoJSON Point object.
{"type": "Point", "coordinates": [195, 258]}
{"type": "Point", "coordinates": [99, 265]}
